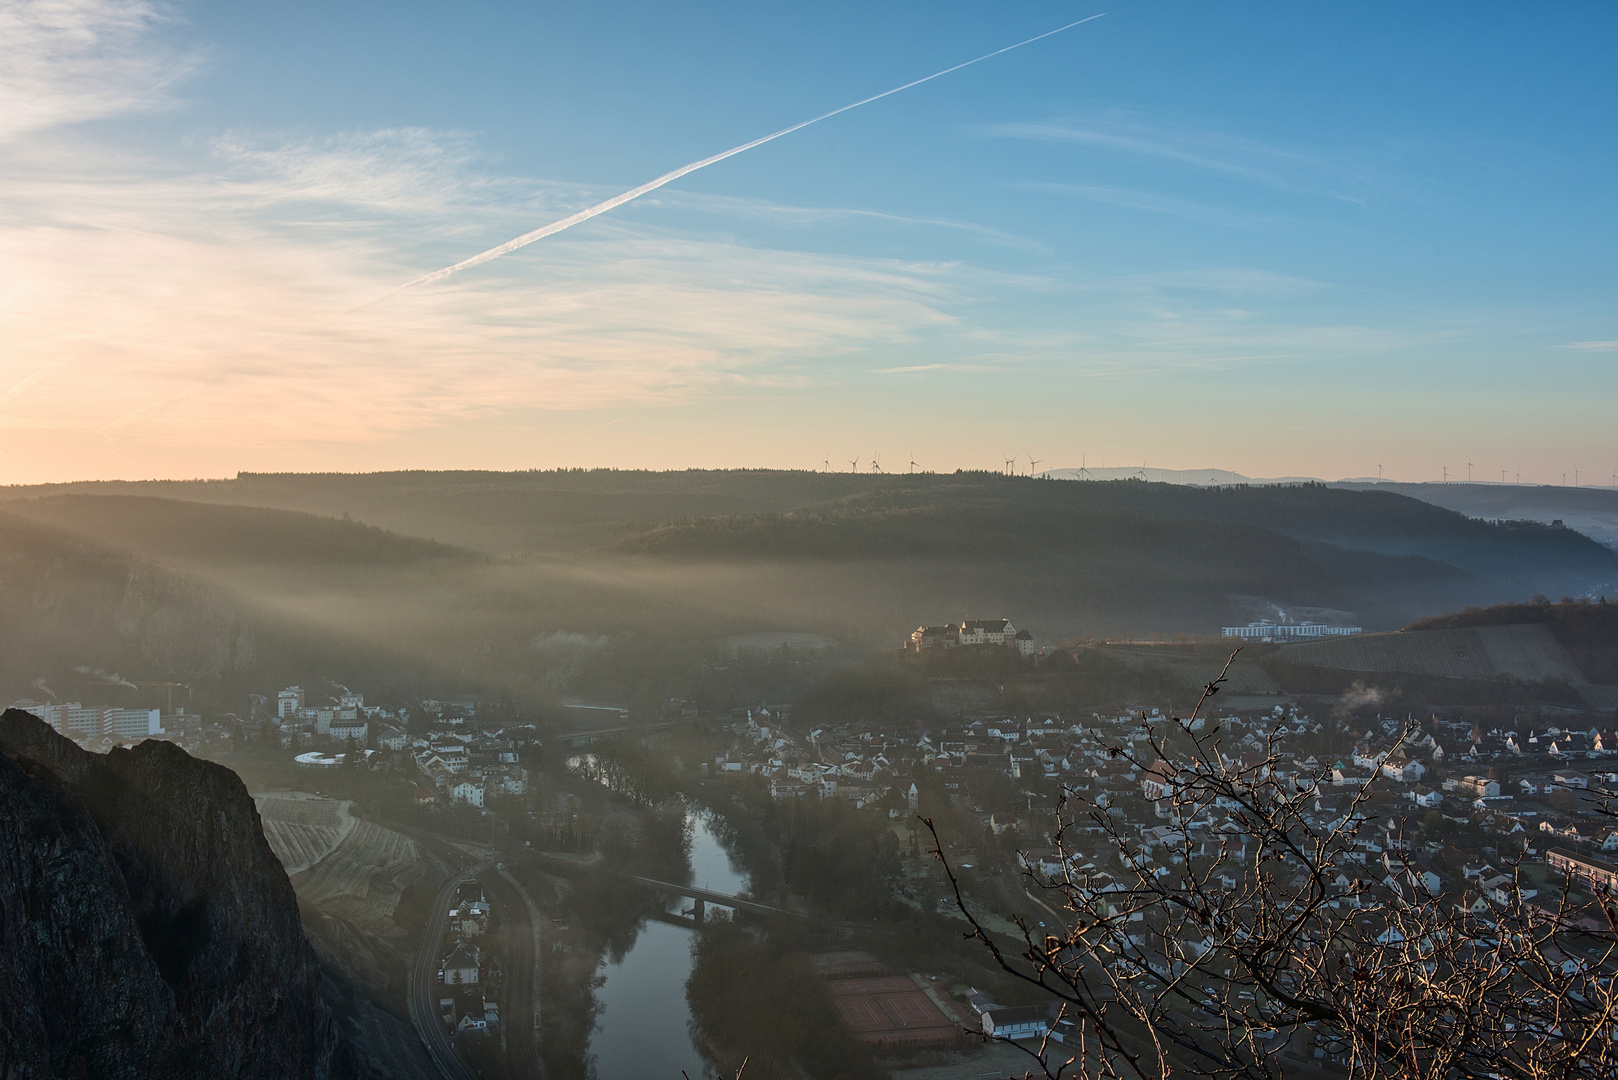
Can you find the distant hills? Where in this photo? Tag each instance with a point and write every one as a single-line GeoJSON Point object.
{"type": "Point", "coordinates": [513, 580]}
{"type": "Point", "coordinates": [1590, 510]}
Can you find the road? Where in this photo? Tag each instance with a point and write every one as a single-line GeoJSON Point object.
{"type": "Point", "coordinates": [520, 1018]}
{"type": "Point", "coordinates": [424, 986]}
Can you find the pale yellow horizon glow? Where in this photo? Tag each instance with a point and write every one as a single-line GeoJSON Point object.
{"type": "Point", "coordinates": [188, 310]}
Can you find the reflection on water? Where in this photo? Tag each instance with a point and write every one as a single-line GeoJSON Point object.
{"type": "Point", "coordinates": [643, 1026]}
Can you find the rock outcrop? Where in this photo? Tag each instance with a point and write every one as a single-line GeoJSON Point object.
{"type": "Point", "coordinates": [146, 929]}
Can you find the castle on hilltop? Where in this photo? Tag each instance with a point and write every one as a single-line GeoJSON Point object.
{"type": "Point", "coordinates": [971, 632]}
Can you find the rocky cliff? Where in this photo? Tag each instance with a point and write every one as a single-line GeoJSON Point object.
{"type": "Point", "coordinates": [146, 929]}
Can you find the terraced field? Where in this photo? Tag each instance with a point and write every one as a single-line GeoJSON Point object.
{"type": "Point", "coordinates": [361, 879]}
{"type": "Point", "coordinates": [348, 868]}
{"type": "Point", "coordinates": [302, 829]}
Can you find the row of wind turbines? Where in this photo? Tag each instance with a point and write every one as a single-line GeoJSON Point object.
{"type": "Point", "coordinates": [1012, 465]}
{"type": "Point", "coordinates": [1504, 472]}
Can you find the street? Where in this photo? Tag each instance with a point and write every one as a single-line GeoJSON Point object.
{"type": "Point", "coordinates": [519, 1019]}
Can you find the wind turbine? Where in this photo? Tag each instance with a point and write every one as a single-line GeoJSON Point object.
{"type": "Point", "coordinates": [1084, 473]}
{"type": "Point", "coordinates": [1446, 473]}
{"type": "Point", "coordinates": [876, 463]}
{"type": "Point", "coordinates": [1502, 476]}
{"type": "Point", "coordinates": [1468, 472]}
{"type": "Point", "coordinates": [827, 463]}
{"type": "Point", "coordinates": [912, 461]}
{"type": "Point", "coordinates": [1575, 476]}
{"type": "Point", "coordinates": [1032, 461]}
{"type": "Point", "coordinates": [1011, 465]}
{"type": "Point", "coordinates": [854, 466]}
{"type": "Point", "coordinates": [1379, 472]}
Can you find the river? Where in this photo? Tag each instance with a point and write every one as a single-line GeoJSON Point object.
{"type": "Point", "coordinates": [643, 1028]}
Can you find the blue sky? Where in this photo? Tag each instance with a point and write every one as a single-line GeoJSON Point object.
{"type": "Point", "coordinates": [1281, 239]}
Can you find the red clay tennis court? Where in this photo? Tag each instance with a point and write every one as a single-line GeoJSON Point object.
{"type": "Point", "coordinates": [911, 1010]}
{"type": "Point", "coordinates": [861, 1013]}
{"type": "Point", "coordinates": [890, 1011]}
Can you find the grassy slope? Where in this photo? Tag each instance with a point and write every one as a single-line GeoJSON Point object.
{"type": "Point", "coordinates": [1589, 632]}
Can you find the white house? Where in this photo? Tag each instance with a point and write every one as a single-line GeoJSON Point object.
{"type": "Point", "coordinates": [1403, 769]}
{"type": "Point", "coordinates": [461, 965]}
{"type": "Point", "coordinates": [1017, 1022]}
{"type": "Point", "coordinates": [468, 791]}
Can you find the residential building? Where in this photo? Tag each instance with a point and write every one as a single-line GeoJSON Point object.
{"type": "Point", "coordinates": [343, 730]}
{"type": "Point", "coordinates": [1017, 1022]}
{"type": "Point", "coordinates": [461, 965]}
{"type": "Point", "coordinates": [1596, 874]}
{"type": "Point", "coordinates": [1403, 769]}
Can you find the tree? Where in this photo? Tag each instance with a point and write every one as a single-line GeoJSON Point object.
{"type": "Point", "coordinates": [1281, 943]}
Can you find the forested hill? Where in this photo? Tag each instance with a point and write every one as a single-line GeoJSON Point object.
{"type": "Point", "coordinates": [571, 510]}
{"type": "Point", "coordinates": [80, 616]}
{"type": "Point", "coordinates": [332, 575]}
{"type": "Point", "coordinates": [173, 530]}
{"type": "Point", "coordinates": [985, 515]}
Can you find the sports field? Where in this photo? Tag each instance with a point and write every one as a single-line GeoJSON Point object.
{"type": "Point", "coordinates": [891, 1011]}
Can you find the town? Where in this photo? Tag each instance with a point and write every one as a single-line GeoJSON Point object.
{"type": "Point", "coordinates": [1443, 798]}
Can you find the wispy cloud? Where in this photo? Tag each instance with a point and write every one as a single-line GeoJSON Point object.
{"type": "Point", "coordinates": [923, 369]}
{"type": "Point", "coordinates": [140, 284]}
{"type": "Point", "coordinates": [65, 61]}
{"type": "Point", "coordinates": [786, 216]}
{"type": "Point", "coordinates": [1590, 346]}
{"type": "Point", "coordinates": [1155, 204]}
{"type": "Point", "coordinates": [1339, 173]}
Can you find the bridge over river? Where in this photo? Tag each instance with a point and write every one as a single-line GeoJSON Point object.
{"type": "Point", "coordinates": [703, 897]}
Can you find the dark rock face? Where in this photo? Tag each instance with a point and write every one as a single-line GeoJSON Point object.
{"type": "Point", "coordinates": [146, 929]}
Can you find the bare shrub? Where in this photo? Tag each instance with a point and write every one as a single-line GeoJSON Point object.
{"type": "Point", "coordinates": [1258, 938]}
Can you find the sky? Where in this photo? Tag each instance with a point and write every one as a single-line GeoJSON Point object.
{"type": "Point", "coordinates": [1281, 239]}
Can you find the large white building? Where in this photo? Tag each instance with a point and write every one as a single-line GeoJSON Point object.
{"type": "Point", "coordinates": [87, 721]}
{"type": "Point", "coordinates": [1265, 630]}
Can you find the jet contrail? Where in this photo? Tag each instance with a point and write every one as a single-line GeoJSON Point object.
{"type": "Point", "coordinates": [634, 193]}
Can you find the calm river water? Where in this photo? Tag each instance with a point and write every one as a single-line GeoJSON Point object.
{"type": "Point", "coordinates": [642, 1031]}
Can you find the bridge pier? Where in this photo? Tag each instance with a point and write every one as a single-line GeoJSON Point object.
{"type": "Point", "coordinates": [699, 909]}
